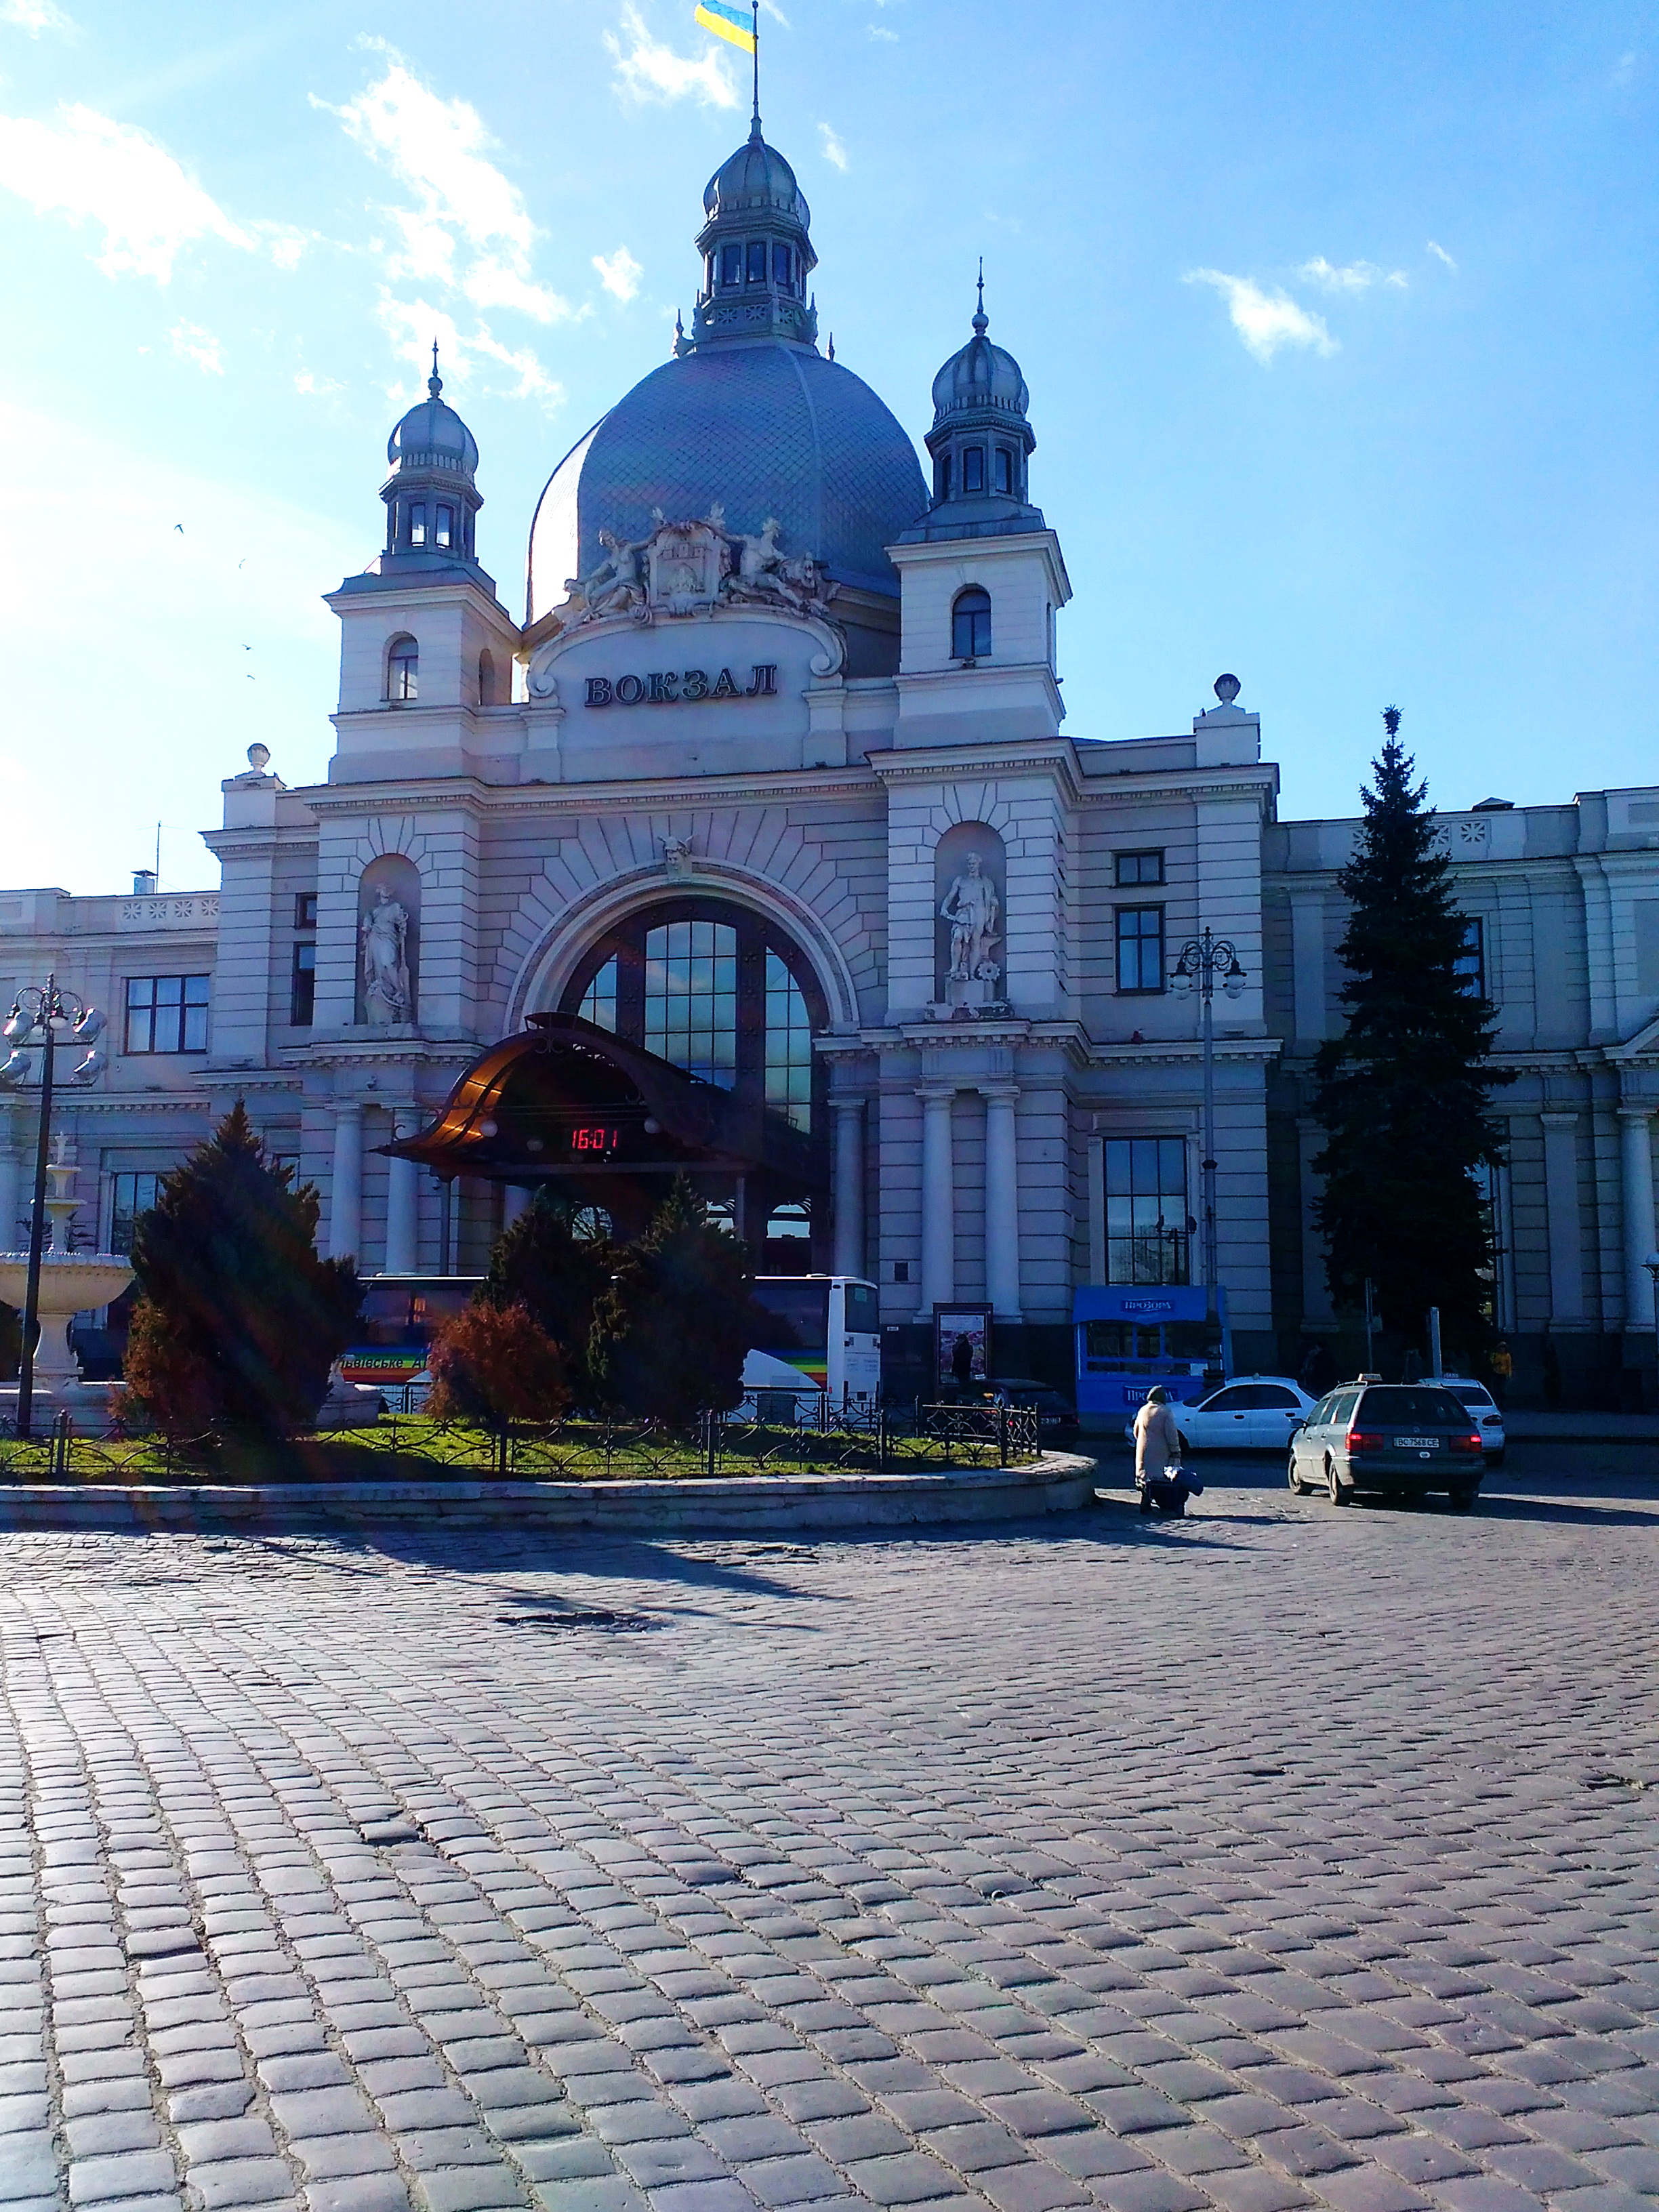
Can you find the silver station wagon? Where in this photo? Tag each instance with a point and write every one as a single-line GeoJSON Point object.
{"type": "Point", "coordinates": [1409, 1437]}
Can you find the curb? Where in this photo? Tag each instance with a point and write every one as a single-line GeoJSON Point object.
{"type": "Point", "coordinates": [1059, 1482]}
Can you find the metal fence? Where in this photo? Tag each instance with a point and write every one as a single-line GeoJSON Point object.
{"type": "Point", "coordinates": [822, 1440]}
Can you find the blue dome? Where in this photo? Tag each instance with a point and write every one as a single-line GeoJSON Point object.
{"type": "Point", "coordinates": [980, 375]}
{"type": "Point", "coordinates": [765, 427]}
{"type": "Point", "coordinates": [757, 178]}
{"type": "Point", "coordinates": [431, 435]}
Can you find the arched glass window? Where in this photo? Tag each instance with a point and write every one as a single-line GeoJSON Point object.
{"type": "Point", "coordinates": [403, 664]}
{"type": "Point", "coordinates": [973, 468]}
{"type": "Point", "coordinates": [942, 476]}
{"type": "Point", "coordinates": [598, 1004]}
{"type": "Point", "coordinates": [417, 522]}
{"type": "Point", "coordinates": [444, 529]}
{"type": "Point", "coordinates": [1004, 475]}
{"type": "Point", "coordinates": [970, 625]}
{"type": "Point", "coordinates": [487, 679]}
{"type": "Point", "coordinates": [789, 1240]}
{"type": "Point", "coordinates": [780, 266]}
{"type": "Point", "coordinates": [731, 264]}
{"type": "Point", "coordinates": [788, 1046]}
{"type": "Point", "coordinates": [718, 991]}
{"type": "Point", "coordinates": [756, 272]}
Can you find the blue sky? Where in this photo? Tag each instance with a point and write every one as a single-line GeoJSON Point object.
{"type": "Point", "coordinates": [1339, 324]}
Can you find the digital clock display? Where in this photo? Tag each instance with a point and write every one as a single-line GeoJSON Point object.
{"type": "Point", "coordinates": [600, 1136]}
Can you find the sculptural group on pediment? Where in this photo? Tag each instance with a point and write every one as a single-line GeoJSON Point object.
{"type": "Point", "coordinates": [687, 567]}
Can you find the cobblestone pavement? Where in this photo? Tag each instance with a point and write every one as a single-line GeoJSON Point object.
{"type": "Point", "coordinates": [1285, 1857]}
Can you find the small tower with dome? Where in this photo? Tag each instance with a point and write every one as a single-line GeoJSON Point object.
{"type": "Point", "coordinates": [756, 252]}
{"type": "Point", "coordinates": [426, 649]}
{"type": "Point", "coordinates": [983, 576]}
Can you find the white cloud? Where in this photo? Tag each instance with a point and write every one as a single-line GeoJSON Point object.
{"type": "Point", "coordinates": [312, 386]}
{"type": "Point", "coordinates": [464, 205]}
{"type": "Point", "coordinates": [833, 149]}
{"type": "Point", "coordinates": [1265, 321]}
{"type": "Point", "coordinates": [286, 246]}
{"type": "Point", "coordinates": [1352, 277]}
{"type": "Point", "coordinates": [92, 169]}
{"type": "Point", "coordinates": [649, 70]}
{"type": "Point", "coordinates": [192, 343]}
{"type": "Point", "coordinates": [1441, 254]}
{"type": "Point", "coordinates": [619, 273]}
{"type": "Point", "coordinates": [36, 15]}
{"type": "Point", "coordinates": [880, 31]}
{"type": "Point", "coordinates": [412, 324]}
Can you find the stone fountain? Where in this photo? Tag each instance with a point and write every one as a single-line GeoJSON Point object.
{"type": "Point", "coordinates": [71, 1282]}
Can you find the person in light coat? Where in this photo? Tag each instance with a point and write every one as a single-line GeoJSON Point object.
{"type": "Point", "coordinates": [1157, 1455]}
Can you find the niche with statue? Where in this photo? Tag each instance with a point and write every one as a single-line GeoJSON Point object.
{"type": "Point", "coordinates": [388, 942]}
{"type": "Point", "coordinates": [971, 878]}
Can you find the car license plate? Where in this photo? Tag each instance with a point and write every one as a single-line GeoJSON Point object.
{"type": "Point", "coordinates": [1415, 1444]}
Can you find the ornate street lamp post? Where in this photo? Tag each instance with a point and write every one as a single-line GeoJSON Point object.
{"type": "Point", "coordinates": [42, 1016]}
{"type": "Point", "coordinates": [1200, 960]}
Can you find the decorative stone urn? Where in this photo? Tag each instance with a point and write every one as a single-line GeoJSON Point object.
{"type": "Point", "coordinates": [70, 1283]}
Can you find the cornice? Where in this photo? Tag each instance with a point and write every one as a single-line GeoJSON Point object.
{"type": "Point", "coordinates": [1055, 757]}
{"type": "Point", "coordinates": [635, 794]}
{"type": "Point", "coordinates": [1235, 780]}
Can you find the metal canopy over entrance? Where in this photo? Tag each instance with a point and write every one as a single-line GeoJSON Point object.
{"type": "Point", "coordinates": [567, 1105]}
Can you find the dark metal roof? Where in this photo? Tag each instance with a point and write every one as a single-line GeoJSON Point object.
{"type": "Point", "coordinates": [762, 426]}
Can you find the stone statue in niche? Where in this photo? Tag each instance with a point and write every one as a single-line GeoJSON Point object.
{"type": "Point", "coordinates": [973, 909]}
{"type": "Point", "coordinates": [383, 931]}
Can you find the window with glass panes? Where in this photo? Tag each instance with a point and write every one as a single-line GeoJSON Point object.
{"type": "Point", "coordinates": [1140, 948]}
{"type": "Point", "coordinates": [131, 1195]}
{"type": "Point", "coordinates": [692, 998]}
{"type": "Point", "coordinates": [788, 1046]}
{"type": "Point", "coordinates": [1470, 965]}
{"type": "Point", "coordinates": [167, 1013]}
{"type": "Point", "coordinates": [1146, 1233]}
{"type": "Point", "coordinates": [718, 991]}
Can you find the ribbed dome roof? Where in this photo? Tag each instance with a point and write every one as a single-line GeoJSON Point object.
{"type": "Point", "coordinates": [431, 435]}
{"type": "Point", "coordinates": [764, 428]}
{"type": "Point", "coordinates": [980, 375]}
{"type": "Point", "coordinates": [755, 177]}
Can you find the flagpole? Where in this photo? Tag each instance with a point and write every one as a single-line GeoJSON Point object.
{"type": "Point", "coordinates": [755, 5]}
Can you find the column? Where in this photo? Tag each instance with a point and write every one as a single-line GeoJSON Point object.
{"type": "Point", "coordinates": [849, 1185]}
{"type": "Point", "coordinates": [515, 1201]}
{"type": "Point", "coordinates": [1001, 1201]}
{"type": "Point", "coordinates": [345, 1190]}
{"type": "Point", "coordinates": [401, 1197]}
{"type": "Point", "coordinates": [1635, 1143]}
{"type": "Point", "coordinates": [939, 1200]}
{"type": "Point", "coordinates": [10, 1184]}
{"type": "Point", "coordinates": [1561, 1203]}
{"type": "Point", "coordinates": [1316, 1306]}
{"type": "Point", "coordinates": [1096, 1209]}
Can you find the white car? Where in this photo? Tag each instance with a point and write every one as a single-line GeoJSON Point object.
{"type": "Point", "coordinates": [1253, 1412]}
{"type": "Point", "coordinates": [1484, 1411]}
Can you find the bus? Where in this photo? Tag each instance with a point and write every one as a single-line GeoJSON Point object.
{"type": "Point", "coordinates": [823, 1341]}
{"type": "Point", "coordinates": [398, 1318]}
{"type": "Point", "coordinates": [1130, 1336]}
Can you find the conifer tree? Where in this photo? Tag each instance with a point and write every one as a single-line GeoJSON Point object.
{"type": "Point", "coordinates": [539, 1263]}
{"type": "Point", "coordinates": [1403, 1092]}
{"type": "Point", "coordinates": [238, 1321]}
{"type": "Point", "coordinates": [672, 1327]}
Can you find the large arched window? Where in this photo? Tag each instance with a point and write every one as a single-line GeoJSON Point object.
{"type": "Point", "coordinates": [403, 669]}
{"type": "Point", "coordinates": [487, 679]}
{"type": "Point", "coordinates": [719, 991]}
{"type": "Point", "coordinates": [970, 625]}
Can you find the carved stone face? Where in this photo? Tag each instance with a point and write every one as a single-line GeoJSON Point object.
{"type": "Point", "coordinates": [973, 863]}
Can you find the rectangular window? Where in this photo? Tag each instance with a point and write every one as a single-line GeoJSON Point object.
{"type": "Point", "coordinates": [167, 1013]}
{"type": "Point", "coordinates": [1470, 965]}
{"type": "Point", "coordinates": [780, 266]}
{"type": "Point", "coordinates": [943, 469]}
{"type": "Point", "coordinates": [1146, 1231]}
{"type": "Point", "coordinates": [1140, 868]}
{"type": "Point", "coordinates": [731, 264]}
{"type": "Point", "coordinates": [692, 998]}
{"type": "Point", "coordinates": [756, 271]}
{"type": "Point", "coordinates": [1140, 948]}
{"type": "Point", "coordinates": [445, 532]}
{"type": "Point", "coordinates": [973, 468]}
{"type": "Point", "coordinates": [1005, 470]}
{"type": "Point", "coordinates": [132, 1194]}
{"type": "Point", "coordinates": [302, 986]}
{"type": "Point", "coordinates": [305, 909]}
{"type": "Point", "coordinates": [417, 523]}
